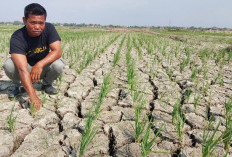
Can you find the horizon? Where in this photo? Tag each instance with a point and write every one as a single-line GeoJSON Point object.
{"type": "Point", "coordinates": [70, 24]}
{"type": "Point", "coordinates": [158, 13]}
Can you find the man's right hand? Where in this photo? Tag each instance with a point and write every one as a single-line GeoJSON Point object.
{"type": "Point", "coordinates": [36, 102]}
{"type": "Point", "coordinates": [21, 64]}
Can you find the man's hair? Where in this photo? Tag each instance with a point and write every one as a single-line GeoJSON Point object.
{"type": "Point", "coordinates": [34, 9]}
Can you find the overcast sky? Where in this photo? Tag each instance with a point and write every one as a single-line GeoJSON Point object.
{"type": "Point", "coordinates": [184, 13]}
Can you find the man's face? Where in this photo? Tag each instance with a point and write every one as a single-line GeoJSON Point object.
{"type": "Point", "coordinates": [35, 24]}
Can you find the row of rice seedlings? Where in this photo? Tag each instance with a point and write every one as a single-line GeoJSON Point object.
{"type": "Point", "coordinates": [137, 48]}
{"type": "Point", "coordinates": [142, 126]}
{"type": "Point", "coordinates": [117, 54]}
{"type": "Point", "coordinates": [92, 56]}
{"type": "Point", "coordinates": [185, 62]}
{"type": "Point", "coordinates": [4, 44]}
{"type": "Point", "coordinates": [90, 129]}
{"type": "Point", "coordinates": [82, 47]}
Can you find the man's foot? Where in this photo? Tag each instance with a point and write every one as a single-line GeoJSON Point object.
{"type": "Point", "coordinates": [49, 89]}
{"type": "Point", "coordinates": [16, 91]}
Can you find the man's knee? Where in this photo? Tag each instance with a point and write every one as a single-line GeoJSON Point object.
{"type": "Point", "coordinates": [9, 67]}
{"type": "Point", "coordinates": [58, 66]}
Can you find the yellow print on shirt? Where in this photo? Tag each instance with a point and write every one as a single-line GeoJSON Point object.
{"type": "Point", "coordinates": [37, 50]}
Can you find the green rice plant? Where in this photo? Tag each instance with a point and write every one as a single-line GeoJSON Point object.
{"type": "Point", "coordinates": [149, 49]}
{"type": "Point", "coordinates": [148, 144]}
{"type": "Point", "coordinates": [89, 130]}
{"type": "Point", "coordinates": [194, 74]}
{"type": "Point", "coordinates": [220, 56]}
{"type": "Point", "coordinates": [140, 119]}
{"type": "Point", "coordinates": [206, 88]}
{"type": "Point", "coordinates": [182, 65]}
{"type": "Point", "coordinates": [196, 101]}
{"type": "Point", "coordinates": [204, 55]}
{"type": "Point", "coordinates": [45, 98]}
{"type": "Point", "coordinates": [227, 135]}
{"type": "Point", "coordinates": [186, 61]}
{"type": "Point", "coordinates": [205, 72]}
{"type": "Point", "coordinates": [116, 58]}
{"type": "Point", "coordinates": [180, 128]}
{"type": "Point", "coordinates": [11, 120]}
{"type": "Point", "coordinates": [117, 54]}
{"type": "Point", "coordinates": [187, 94]}
{"type": "Point", "coordinates": [137, 48]}
{"type": "Point", "coordinates": [32, 109]}
{"type": "Point", "coordinates": [210, 140]}
{"type": "Point", "coordinates": [163, 51]}
{"type": "Point", "coordinates": [214, 81]}
{"type": "Point", "coordinates": [131, 75]}
{"type": "Point", "coordinates": [154, 74]}
{"type": "Point", "coordinates": [221, 82]}
{"type": "Point", "coordinates": [105, 89]}
{"type": "Point", "coordinates": [229, 56]}
{"type": "Point", "coordinates": [178, 120]}
{"type": "Point", "coordinates": [128, 57]}
{"type": "Point", "coordinates": [169, 73]}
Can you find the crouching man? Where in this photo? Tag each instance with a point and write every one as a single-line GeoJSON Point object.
{"type": "Point", "coordinates": [35, 54]}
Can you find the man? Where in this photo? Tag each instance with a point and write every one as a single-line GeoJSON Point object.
{"type": "Point", "coordinates": [30, 58]}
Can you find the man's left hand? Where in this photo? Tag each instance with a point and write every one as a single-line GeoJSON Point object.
{"type": "Point", "coordinates": [36, 72]}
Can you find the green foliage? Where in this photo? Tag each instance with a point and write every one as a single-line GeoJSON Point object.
{"type": "Point", "coordinates": [32, 109]}
{"type": "Point", "coordinates": [11, 120]}
{"type": "Point", "coordinates": [227, 135]}
{"type": "Point", "coordinates": [210, 140]}
{"type": "Point", "coordinates": [221, 54]}
{"type": "Point", "coordinates": [117, 54]}
{"type": "Point", "coordinates": [169, 73]}
{"type": "Point", "coordinates": [137, 48]}
{"type": "Point", "coordinates": [140, 118]}
{"type": "Point", "coordinates": [178, 120]}
{"type": "Point", "coordinates": [196, 101]}
{"type": "Point", "coordinates": [194, 74]}
{"type": "Point", "coordinates": [148, 144]}
{"type": "Point", "coordinates": [90, 130]}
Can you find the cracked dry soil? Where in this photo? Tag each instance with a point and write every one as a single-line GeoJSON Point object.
{"type": "Point", "coordinates": [56, 128]}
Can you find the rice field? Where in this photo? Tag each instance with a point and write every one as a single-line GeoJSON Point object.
{"type": "Point", "coordinates": [126, 92]}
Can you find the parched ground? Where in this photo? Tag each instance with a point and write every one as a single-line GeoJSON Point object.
{"type": "Point", "coordinates": [55, 130]}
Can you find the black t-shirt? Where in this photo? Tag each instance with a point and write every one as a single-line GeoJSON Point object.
{"type": "Point", "coordinates": [35, 48]}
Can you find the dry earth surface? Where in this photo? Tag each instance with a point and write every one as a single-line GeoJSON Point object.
{"type": "Point", "coordinates": [55, 130]}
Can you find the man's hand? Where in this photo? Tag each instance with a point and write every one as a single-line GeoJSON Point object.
{"type": "Point", "coordinates": [36, 102]}
{"type": "Point", "coordinates": [36, 72]}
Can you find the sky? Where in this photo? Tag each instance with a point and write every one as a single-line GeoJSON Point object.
{"type": "Point", "coordinates": [181, 13]}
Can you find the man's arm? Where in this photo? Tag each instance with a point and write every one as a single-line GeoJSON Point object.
{"type": "Point", "coordinates": [21, 64]}
{"type": "Point", "coordinates": [51, 57]}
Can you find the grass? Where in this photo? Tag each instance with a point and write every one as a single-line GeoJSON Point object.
{"type": "Point", "coordinates": [11, 120]}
